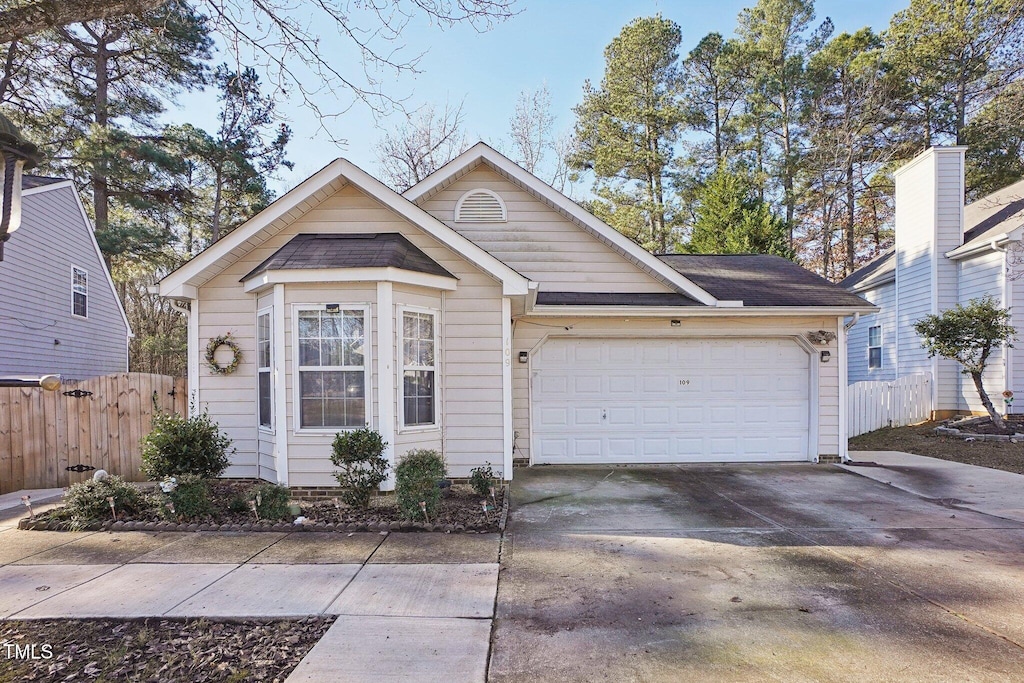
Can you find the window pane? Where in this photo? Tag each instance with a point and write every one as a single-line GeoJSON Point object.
{"type": "Point", "coordinates": [875, 336]}
{"type": "Point", "coordinates": [331, 325]}
{"type": "Point", "coordinates": [309, 324]}
{"type": "Point", "coordinates": [80, 306]}
{"type": "Point", "coordinates": [355, 385]}
{"type": "Point", "coordinates": [311, 384]}
{"type": "Point", "coordinates": [875, 357]}
{"type": "Point", "coordinates": [419, 411]}
{"type": "Point", "coordinates": [331, 352]}
{"type": "Point", "coordinates": [312, 412]}
{"type": "Point", "coordinates": [309, 352]}
{"type": "Point", "coordinates": [264, 398]}
{"type": "Point", "coordinates": [409, 326]}
{"type": "Point", "coordinates": [409, 352]}
{"type": "Point", "coordinates": [418, 388]}
{"type": "Point", "coordinates": [426, 354]}
{"type": "Point", "coordinates": [426, 330]}
{"type": "Point", "coordinates": [353, 352]}
{"type": "Point", "coordinates": [354, 324]}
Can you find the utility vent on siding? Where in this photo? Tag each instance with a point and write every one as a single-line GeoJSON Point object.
{"type": "Point", "coordinates": [480, 206]}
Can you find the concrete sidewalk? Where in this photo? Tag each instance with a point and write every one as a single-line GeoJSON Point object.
{"type": "Point", "coordinates": [416, 606]}
{"type": "Point", "coordinates": [981, 489]}
{"type": "Point", "coordinates": [12, 507]}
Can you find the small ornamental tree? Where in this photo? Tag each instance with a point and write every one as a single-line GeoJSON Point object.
{"type": "Point", "coordinates": [968, 334]}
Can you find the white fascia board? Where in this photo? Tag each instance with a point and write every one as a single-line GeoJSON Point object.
{"type": "Point", "coordinates": [96, 246]}
{"type": "Point", "coordinates": [868, 285]}
{"type": "Point", "coordinates": [389, 274]}
{"type": "Point", "coordinates": [482, 151]}
{"type": "Point", "coordinates": [171, 284]}
{"type": "Point", "coordinates": [692, 311]}
{"type": "Point", "coordinates": [982, 246]}
{"type": "Point", "coordinates": [51, 186]}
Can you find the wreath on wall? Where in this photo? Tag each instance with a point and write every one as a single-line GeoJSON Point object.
{"type": "Point", "coordinates": [211, 354]}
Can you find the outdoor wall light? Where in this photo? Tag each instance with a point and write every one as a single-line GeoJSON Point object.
{"type": "Point", "coordinates": [333, 308]}
{"type": "Point", "coordinates": [676, 323]}
{"type": "Point", "coordinates": [524, 356]}
{"type": "Point", "coordinates": [16, 154]}
{"type": "Point", "coordinates": [826, 356]}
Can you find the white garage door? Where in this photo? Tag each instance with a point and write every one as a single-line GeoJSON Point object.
{"type": "Point", "coordinates": [658, 400]}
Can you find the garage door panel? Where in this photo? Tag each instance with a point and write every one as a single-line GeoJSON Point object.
{"type": "Point", "coordinates": [683, 400]}
{"type": "Point", "coordinates": [586, 417]}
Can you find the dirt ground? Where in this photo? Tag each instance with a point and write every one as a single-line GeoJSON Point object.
{"type": "Point", "coordinates": [922, 440]}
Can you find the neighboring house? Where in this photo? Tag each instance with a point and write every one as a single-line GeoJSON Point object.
{"type": "Point", "coordinates": [945, 253]}
{"type": "Point", "coordinates": [485, 315]}
{"type": "Point", "coordinates": [59, 311]}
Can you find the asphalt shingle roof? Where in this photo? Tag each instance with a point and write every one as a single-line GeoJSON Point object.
{"type": "Point", "coordinates": [29, 182]}
{"type": "Point", "coordinates": [876, 270]}
{"type": "Point", "coordinates": [372, 250]}
{"type": "Point", "coordinates": [760, 280]}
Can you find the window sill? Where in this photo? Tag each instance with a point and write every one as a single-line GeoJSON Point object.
{"type": "Point", "coordinates": [269, 431]}
{"type": "Point", "coordinates": [325, 431]}
{"type": "Point", "coordinates": [419, 429]}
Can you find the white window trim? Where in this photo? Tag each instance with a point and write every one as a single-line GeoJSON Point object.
{"type": "Point", "coordinates": [266, 311]}
{"type": "Point", "coordinates": [400, 366]}
{"type": "Point", "coordinates": [74, 291]}
{"type": "Point", "coordinates": [297, 428]}
{"type": "Point", "coordinates": [480, 190]}
{"type": "Point", "coordinates": [880, 347]}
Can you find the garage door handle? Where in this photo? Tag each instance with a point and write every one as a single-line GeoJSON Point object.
{"type": "Point", "coordinates": [604, 414]}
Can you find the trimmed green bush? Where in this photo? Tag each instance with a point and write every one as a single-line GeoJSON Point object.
{"type": "Point", "coordinates": [416, 480]}
{"type": "Point", "coordinates": [190, 497]}
{"type": "Point", "coordinates": [87, 501]}
{"type": "Point", "coordinates": [271, 500]}
{"type": "Point", "coordinates": [362, 467]}
{"type": "Point", "coordinates": [482, 479]}
{"type": "Point", "coordinates": [184, 445]}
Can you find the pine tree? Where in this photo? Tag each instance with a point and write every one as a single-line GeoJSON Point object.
{"type": "Point", "coordinates": [626, 130]}
{"type": "Point", "coordinates": [730, 219]}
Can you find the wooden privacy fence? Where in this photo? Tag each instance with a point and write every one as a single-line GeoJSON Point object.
{"type": "Point", "coordinates": [873, 405]}
{"type": "Point", "coordinates": [95, 423]}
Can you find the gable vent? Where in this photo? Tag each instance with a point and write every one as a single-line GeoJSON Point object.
{"type": "Point", "coordinates": [480, 206]}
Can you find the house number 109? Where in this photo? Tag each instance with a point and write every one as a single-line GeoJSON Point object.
{"type": "Point", "coordinates": [684, 382]}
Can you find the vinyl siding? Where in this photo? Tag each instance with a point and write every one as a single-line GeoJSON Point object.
{"type": "Point", "coordinates": [883, 296]}
{"type": "Point", "coordinates": [983, 276]}
{"type": "Point", "coordinates": [471, 355]}
{"type": "Point", "coordinates": [539, 242]}
{"type": "Point", "coordinates": [35, 295]}
{"type": "Point", "coordinates": [529, 334]}
{"type": "Point", "coordinates": [929, 222]}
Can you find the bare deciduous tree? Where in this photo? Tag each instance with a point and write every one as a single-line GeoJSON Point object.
{"type": "Point", "coordinates": [285, 38]}
{"type": "Point", "coordinates": [428, 140]}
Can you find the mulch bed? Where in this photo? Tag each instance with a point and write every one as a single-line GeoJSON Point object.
{"type": "Point", "coordinates": [156, 649]}
{"type": "Point", "coordinates": [460, 511]}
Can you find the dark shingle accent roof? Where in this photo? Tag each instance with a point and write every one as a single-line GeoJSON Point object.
{"type": "Point", "coordinates": [614, 299]}
{"type": "Point", "coordinates": [874, 271]}
{"type": "Point", "coordinates": [381, 250]}
{"type": "Point", "coordinates": [760, 280]}
{"type": "Point", "coordinates": [29, 182]}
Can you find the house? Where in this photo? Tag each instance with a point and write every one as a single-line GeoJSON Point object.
{"type": "Point", "coordinates": [59, 311]}
{"type": "Point", "coordinates": [946, 253]}
{"type": "Point", "coordinates": [487, 316]}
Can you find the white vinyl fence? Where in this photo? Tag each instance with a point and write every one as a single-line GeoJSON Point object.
{"type": "Point", "coordinates": [873, 405]}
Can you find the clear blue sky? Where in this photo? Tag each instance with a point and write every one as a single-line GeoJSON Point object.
{"type": "Point", "coordinates": [560, 42]}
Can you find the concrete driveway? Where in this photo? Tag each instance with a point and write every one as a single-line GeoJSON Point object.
{"type": "Point", "coordinates": [752, 572]}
